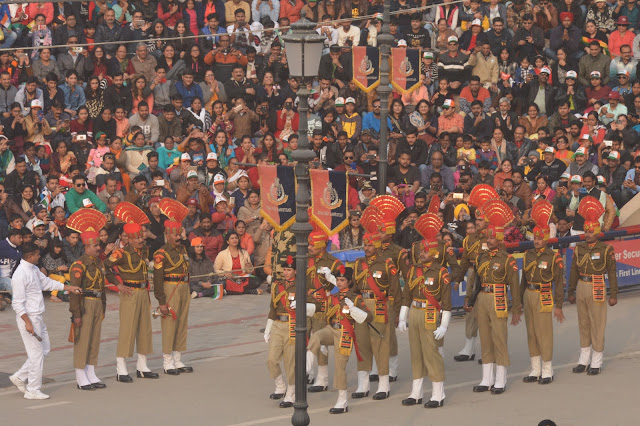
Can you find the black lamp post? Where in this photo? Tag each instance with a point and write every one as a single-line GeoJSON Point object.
{"type": "Point", "coordinates": [385, 39]}
{"type": "Point", "coordinates": [303, 49]}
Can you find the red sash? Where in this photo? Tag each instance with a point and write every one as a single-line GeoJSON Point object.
{"type": "Point", "coordinates": [346, 324]}
{"type": "Point", "coordinates": [292, 313]}
{"type": "Point", "coordinates": [320, 294]}
{"type": "Point", "coordinates": [374, 287]}
{"type": "Point", "coordinates": [428, 296]}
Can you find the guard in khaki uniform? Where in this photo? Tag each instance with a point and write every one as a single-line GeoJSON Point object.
{"type": "Point", "coordinates": [320, 262]}
{"type": "Point", "coordinates": [541, 268]}
{"type": "Point", "coordinates": [472, 245]}
{"type": "Point", "coordinates": [171, 288]}
{"type": "Point", "coordinates": [88, 309]}
{"type": "Point", "coordinates": [135, 305]}
{"type": "Point", "coordinates": [280, 331]}
{"type": "Point", "coordinates": [344, 309]}
{"type": "Point", "coordinates": [498, 273]}
{"type": "Point", "coordinates": [376, 280]}
{"type": "Point", "coordinates": [592, 259]}
{"type": "Point", "coordinates": [426, 298]}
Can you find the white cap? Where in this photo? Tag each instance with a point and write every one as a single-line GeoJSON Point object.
{"type": "Point", "coordinates": [219, 178]}
{"type": "Point", "coordinates": [349, 100]}
{"type": "Point", "coordinates": [212, 156]}
{"type": "Point", "coordinates": [339, 101]}
{"type": "Point", "coordinates": [36, 103]}
{"type": "Point", "coordinates": [452, 39]}
{"type": "Point", "coordinates": [476, 22]}
{"type": "Point", "coordinates": [402, 42]}
{"type": "Point", "coordinates": [185, 156]}
{"type": "Point", "coordinates": [545, 70]}
{"type": "Point", "coordinates": [220, 200]}
{"type": "Point", "coordinates": [38, 222]}
{"type": "Point", "coordinates": [571, 74]}
{"type": "Point", "coordinates": [192, 174]}
{"type": "Point", "coordinates": [549, 150]}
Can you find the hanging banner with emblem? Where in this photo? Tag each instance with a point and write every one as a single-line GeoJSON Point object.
{"type": "Point", "coordinates": [405, 69]}
{"type": "Point", "coordinates": [329, 203]}
{"type": "Point", "coordinates": [278, 195]}
{"type": "Point", "coordinates": [366, 67]}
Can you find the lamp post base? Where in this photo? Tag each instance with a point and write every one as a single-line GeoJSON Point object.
{"type": "Point", "coordinates": [300, 415]}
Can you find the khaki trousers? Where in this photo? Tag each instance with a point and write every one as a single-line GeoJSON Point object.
{"type": "Point", "coordinates": [393, 350]}
{"type": "Point", "coordinates": [372, 345]}
{"type": "Point", "coordinates": [493, 331]}
{"type": "Point", "coordinates": [539, 326]}
{"type": "Point", "coordinates": [331, 336]}
{"type": "Point", "coordinates": [87, 344]}
{"type": "Point", "coordinates": [135, 323]}
{"type": "Point", "coordinates": [319, 322]}
{"type": "Point", "coordinates": [425, 358]}
{"type": "Point", "coordinates": [174, 332]}
{"type": "Point", "coordinates": [592, 317]}
{"type": "Point", "coordinates": [470, 322]}
{"type": "Point", "coordinates": [281, 347]}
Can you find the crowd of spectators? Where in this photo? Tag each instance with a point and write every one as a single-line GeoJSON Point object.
{"type": "Point", "coordinates": [538, 99]}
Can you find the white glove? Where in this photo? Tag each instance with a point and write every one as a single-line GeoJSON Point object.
{"type": "Point", "coordinates": [269, 278]}
{"type": "Point", "coordinates": [292, 305]}
{"type": "Point", "coordinates": [329, 277]}
{"type": "Point", "coordinates": [444, 324]}
{"type": "Point", "coordinates": [267, 330]}
{"type": "Point", "coordinates": [402, 323]}
{"type": "Point", "coordinates": [324, 270]}
{"type": "Point", "coordinates": [324, 350]}
{"type": "Point", "coordinates": [311, 309]}
{"type": "Point", "coordinates": [348, 302]}
{"type": "Point", "coordinates": [358, 314]}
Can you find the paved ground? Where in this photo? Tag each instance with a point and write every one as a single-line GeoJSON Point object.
{"type": "Point", "coordinates": [231, 383]}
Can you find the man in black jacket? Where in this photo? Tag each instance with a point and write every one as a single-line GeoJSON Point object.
{"type": "Point", "coordinates": [415, 147]}
{"type": "Point", "coordinates": [550, 166]}
{"type": "Point", "coordinates": [19, 177]}
{"type": "Point", "coordinates": [118, 94]}
{"type": "Point", "coordinates": [542, 85]}
{"type": "Point", "coordinates": [336, 66]}
{"type": "Point", "coordinates": [477, 124]}
{"type": "Point", "coordinates": [240, 87]}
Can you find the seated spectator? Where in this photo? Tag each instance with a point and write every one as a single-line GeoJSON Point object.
{"type": "Point", "coordinates": [200, 266]}
{"type": "Point", "coordinates": [234, 263]}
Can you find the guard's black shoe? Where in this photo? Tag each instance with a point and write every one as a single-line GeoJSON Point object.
{"type": "Point", "coordinates": [147, 375]}
{"type": "Point", "coordinates": [580, 368]}
{"type": "Point", "coordinates": [276, 395]}
{"type": "Point", "coordinates": [124, 378]}
{"type": "Point", "coordinates": [393, 378]}
{"type": "Point", "coordinates": [497, 391]}
{"type": "Point", "coordinates": [284, 404]}
{"type": "Point", "coordinates": [593, 371]}
{"type": "Point", "coordinates": [339, 410]}
{"type": "Point", "coordinates": [358, 395]}
{"type": "Point", "coordinates": [373, 377]}
{"type": "Point", "coordinates": [480, 361]}
{"type": "Point", "coordinates": [98, 385]}
{"type": "Point", "coordinates": [185, 369]}
{"type": "Point", "coordinates": [381, 395]}
{"type": "Point", "coordinates": [545, 380]}
{"type": "Point", "coordinates": [411, 401]}
{"type": "Point", "coordinates": [85, 387]}
{"type": "Point", "coordinates": [171, 372]}
{"type": "Point", "coordinates": [480, 388]}
{"type": "Point", "coordinates": [434, 404]}
{"type": "Point", "coordinates": [530, 379]}
{"type": "Point", "coordinates": [315, 389]}
{"type": "Point", "coordinates": [461, 358]}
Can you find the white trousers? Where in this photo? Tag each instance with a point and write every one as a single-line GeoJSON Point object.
{"type": "Point", "coordinates": [31, 370]}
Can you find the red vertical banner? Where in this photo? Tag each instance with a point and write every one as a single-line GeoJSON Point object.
{"type": "Point", "coordinates": [405, 69]}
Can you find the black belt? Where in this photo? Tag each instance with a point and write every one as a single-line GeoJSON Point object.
{"type": "Point", "coordinates": [535, 287]}
{"type": "Point", "coordinates": [487, 288]}
{"type": "Point", "coordinates": [91, 293]}
{"type": "Point", "coordinates": [283, 318]}
{"type": "Point", "coordinates": [135, 285]}
{"type": "Point", "coordinates": [368, 294]}
{"type": "Point", "coordinates": [586, 278]}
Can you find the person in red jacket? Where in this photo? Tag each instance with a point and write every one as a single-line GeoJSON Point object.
{"type": "Point", "coordinates": [211, 238]}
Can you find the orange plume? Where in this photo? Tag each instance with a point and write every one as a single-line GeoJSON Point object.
{"type": "Point", "coordinates": [372, 220]}
{"type": "Point", "coordinates": [497, 212]}
{"type": "Point", "coordinates": [130, 213]}
{"type": "Point", "coordinates": [541, 212]}
{"type": "Point", "coordinates": [480, 194]}
{"type": "Point", "coordinates": [85, 220]}
{"type": "Point", "coordinates": [428, 225]}
{"type": "Point", "coordinates": [590, 209]}
{"type": "Point", "coordinates": [173, 209]}
{"type": "Point", "coordinates": [389, 206]}
{"type": "Point", "coordinates": [434, 205]}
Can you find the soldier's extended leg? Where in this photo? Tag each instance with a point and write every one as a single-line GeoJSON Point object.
{"type": "Point", "coordinates": [584, 294]}
{"type": "Point", "coordinates": [340, 374]}
{"type": "Point", "coordinates": [598, 320]}
{"type": "Point", "coordinates": [468, 352]}
{"type": "Point", "coordinates": [320, 338]}
{"type": "Point", "coordinates": [483, 310]}
{"type": "Point", "coordinates": [530, 308]}
{"type": "Point", "coordinates": [278, 338]}
{"type": "Point", "coordinates": [144, 344]}
{"type": "Point", "coordinates": [363, 337]}
{"type": "Point", "coordinates": [381, 345]}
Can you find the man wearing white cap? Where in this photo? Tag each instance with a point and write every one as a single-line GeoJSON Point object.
{"type": "Point", "coordinates": [550, 166]}
{"type": "Point", "coordinates": [455, 65]}
{"type": "Point", "coordinates": [471, 40]}
{"type": "Point", "coordinates": [213, 168]}
{"type": "Point", "coordinates": [581, 163]}
{"type": "Point", "coordinates": [614, 175]}
{"type": "Point", "coordinates": [542, 93]}
{"type": "Point", "coordinates": [194, 189]}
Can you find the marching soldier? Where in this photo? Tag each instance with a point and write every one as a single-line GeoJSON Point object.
{"type": "Point", "coordinates": [320, 262]}
{"type": "Point", "coordinates": [541, 267]}
{"type": "Point", "coordinates": [472, 245]}
{"type": "Point", "coordinates": [592, 259]}
{"type": "Point", "coordinates": [88, 309]}
{"type": "Point", "coordinates": [427, 292]}
{"type": "Point", "coordinates": [280, 331]}
{"type": "Point", "coordinates": [135, 306]}
{"type": "Point", "coordinates": [344, 308]}
{"type": "Point", "coordinates": [376, 280]}
{"type": "Point", "coordinates": [171, 288]}
{"type": "Point", "coordinates": [498, 272]}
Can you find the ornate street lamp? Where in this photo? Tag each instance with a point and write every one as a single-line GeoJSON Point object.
{"type": "Point", "coordinates": [385, 40]}
{"type": "Point", "coordinates": [304, 49]}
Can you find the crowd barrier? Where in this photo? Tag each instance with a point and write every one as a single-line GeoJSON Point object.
{"type": "Point", "coordinates": [626, 244]}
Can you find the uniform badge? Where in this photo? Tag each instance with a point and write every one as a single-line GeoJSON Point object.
{"type": "Point", "coordinates": [496, 266]}
{"type": "Point", "coordinates": [428, 281]}
{"type": "Point", "coordinates": [485, 247]}
{"type": "Point", "coordinates": [542, 265]}
{"type": "Point", "coordinates": [158, 261]}
{"type": "Point", "coordinates": [377, 274]}
{"type": "Point", "coordinates": [595, 256]}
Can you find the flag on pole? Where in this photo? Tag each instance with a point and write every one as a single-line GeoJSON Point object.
{"type": "Point", "coordinates": [329, 203]}
{"type": "Point", "coordinates": [278, 195]}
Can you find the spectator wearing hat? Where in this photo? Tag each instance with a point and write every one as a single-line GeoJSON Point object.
{"type": "Point", "coordinates": [549, 166]}
{"type": "Point", "coordinates": [541, 92]}
{"type": "Point", "coordinates": [580, 164]}
{"type": "Point", "coordinates": [450, 121]}
{"type": "Point", "coordinates": [610, 112]}
{"type": "Point", "coordinates": [621, 36]}
{"type": "Point", "coordinates": [471, 40]}
{"type": "Point", "coordinates": [595, 61]}
{"type": "Point", "coordinates": [623, 87]}
{"type": "Point", "coordinates": [566, 36]}
{"type": "Point", "coordinates": [223, 218]}
{"type": "Point", "coordinates": [623, 65]}
{"type": "Point", "coordinates": [192, 188]}
{"type": "Point", "coordinates": [139, 192]}
{"type": "Point", "coordinates": [455, 65]}
{"type": "Point", "coordinates": [192, 221]}
{"type": "Point", "coordinates": [199, 267]}
{"type": "Point", "coordinates": [614, 175]}
{"type": "Point", "coordinates": [596, 90]}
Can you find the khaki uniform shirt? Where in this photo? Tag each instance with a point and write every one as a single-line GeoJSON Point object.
{"type": "Point", "coordinates": [594, 259]}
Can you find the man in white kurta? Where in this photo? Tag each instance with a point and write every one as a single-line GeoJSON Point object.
{"type": "Point", "coordinates": [28, 284]}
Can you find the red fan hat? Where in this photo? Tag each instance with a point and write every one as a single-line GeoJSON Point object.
{"type": "Point", "coordinates": [541, 213]}
{"type": "Point", "coordinates": [318, 239]}
{"type": "Point", "coordinates": [173, 209]}
{"type": "Point", "coordinates": [90, 237]}
{"type": "Point", "coordinates": [85, 220]}
{"type": "Point", "coordinates": [390, 208]}
{"type": "Point", "coordinates": [591, 210]}
{"type": "Point", "coordinates": [499, 215]}
{"type": "Point", "coordinates": [374, 239]}
{"type": "Point", "coordinates": [372, 220]}
{"type": "Point", "coordinates": [133, 230]}
{"type": "Point", "coordinates": [428, 225]}
{"type": "Point", "coordinates": [434, 205]}
{"type": "Point", "coordinates": [130, 213]}
{"type": "Point", "coordinates": [172, 227]}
